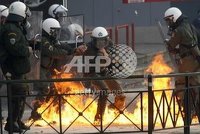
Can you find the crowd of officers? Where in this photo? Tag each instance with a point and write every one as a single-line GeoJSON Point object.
{"type": "Point", "coordinates": [54, 55]}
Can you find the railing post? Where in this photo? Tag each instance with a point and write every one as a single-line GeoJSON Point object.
{"type": "Point", "coordinates": [187, 108]}
{"type": "Point", "coordinates": [101, 110]}
{"type": "Point", "coordinates": [150, 105]}
{"type": "Point", "coordinates": [199, 104]}
{"type": "Point", "coordinates": [60, 112]}
{"type": "Point", "coordinates": [1, 116]}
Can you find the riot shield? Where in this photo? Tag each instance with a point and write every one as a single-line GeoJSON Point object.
{"type": "Point", "coordinates": [34, 3]}
{"type": "Point", "coordinates": [72, 29]}
{"type": "Point", "coordinates": [34, 34]}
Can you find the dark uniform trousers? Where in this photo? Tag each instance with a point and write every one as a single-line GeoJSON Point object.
{"type": "Point", "coordinates": [103, 86]}
{"type": "Point", "coordinates": [188, 64]}
{"type": "Point", "coordinates": [18, 92]}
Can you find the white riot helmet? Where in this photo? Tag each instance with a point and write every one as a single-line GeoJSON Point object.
{"type": "Point", "coordinates": [99, 32]}
{"type": "Point", "coordinates": [20, 9]}
{"type": "Point", "coordinates": [75, 33]}
{"type": "Point", "coordinates": [172, 14]}
{"type": "Point", "coordinates": [3, 11]}
{"type": "Point", "coordinates": [100, 37]}
{"type": "Point", "coordinates": [57, 10]}
{"type": "Point", "coordinates": [52, 27]}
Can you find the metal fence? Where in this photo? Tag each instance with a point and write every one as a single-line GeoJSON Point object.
{"type": "Point", "coordinates": [160, 110]}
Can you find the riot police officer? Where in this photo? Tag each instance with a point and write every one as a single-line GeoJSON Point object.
{"type": "Point", "coordinates": [51, 50]}
{"type": "Point", "coordinates": [49, 53]}
{"type": "Point", "coordinates": [71, 38]}
{"type": "Point", "coordinates": [17, 63]}
{"type": "Point", "coordinates": [3, 14]}
{"type": "Point", "coordinates": [98, 47]}
{"type": "Point", "coordinates": [183, 42]}
{"type": "Point", "coordinates": [57, 11]}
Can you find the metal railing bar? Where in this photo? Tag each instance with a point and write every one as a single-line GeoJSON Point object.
{"type": "Point", "coordinates": [91, 123]}
{"type": "Point", "coordinates": [68, 79]}
{"type": "Point", "coordinates": [158, 110]}
{"type": "Point", "coordinates": [44, 111]}
{"type": "Point", "coordinates": [169, 110]}
{"type": "Point", "coordinates": [179, 110]}
{"type": "Point", "coordinates": [71, 124]}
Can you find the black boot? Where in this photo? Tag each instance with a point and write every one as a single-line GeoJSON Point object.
{"type": "Point", "coordinates": [15, 128]}
{"type": "Point", "coordinates": [35, 116]}
{"type": "Point", "coordinates": [23, 126]}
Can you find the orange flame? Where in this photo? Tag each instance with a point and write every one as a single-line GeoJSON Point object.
{"type": "Point", "coordinates": [74, 105]}
{"type": "Point", "coordinates": [158, 66]}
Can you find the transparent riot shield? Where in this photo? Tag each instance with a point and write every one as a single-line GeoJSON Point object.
{"type": "Point", "coordinates": [34, 3]}
{"type": "Point", "coordinates": [34, 34]}
{"type": "Point", "coordinates": [72, 29]}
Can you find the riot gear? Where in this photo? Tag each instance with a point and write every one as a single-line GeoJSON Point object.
{"type": "Point", "coordinates": [75, 33]}
{"type": "Point", "coordinates": [75, 29]}
{"type": "Point", "coordinates": [171, 16]}
{"type": "Point", "coordinates": [3, 14]}
{"type": "Point", "coordinates": [57, 11]}
{"type": "Point", "coordinates": [51, 27]}
{"type": "Point", "coordinates": [99, 32]}
{"type": "Point", "coordinates": [183, 41]}
{"type": "Point", "coordinates": [3, 11]}
{"type": "Point", "coordinates": [103, 86]}
{"type": "Point", "coordinates": [17, 62]}
{"type": "Point", "coordinates": [100, 37]}
{"type": "Point", "coordinates": [19, 11]}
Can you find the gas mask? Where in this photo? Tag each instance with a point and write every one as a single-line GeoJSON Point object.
{"type": "Point", "coordinates": [101, 43]}
{"type": "Point", "coordinates": [55, 33]}
{"type": "Point", "coordinates": [169, 21]}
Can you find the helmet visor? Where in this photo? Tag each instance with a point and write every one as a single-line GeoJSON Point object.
{"type": "Point", "coordinates": [28, 12]}
{"type": "Point", "coordinates": [169, 21]}
{"type": "Point", "coordinates": [60, 11]}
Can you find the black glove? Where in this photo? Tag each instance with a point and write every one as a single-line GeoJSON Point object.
{"type": "Point", "coordinates": [172, 50]}
{"type": "Point", "coordinates": [37, 45]}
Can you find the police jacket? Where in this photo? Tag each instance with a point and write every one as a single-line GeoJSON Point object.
{"type": "Point", "coordinates": [93, 51]}
{"type": "Point", "coordinates": [16, 44]}
{"type": "Point", "coordinates": [184, 36]}
{"type": "Point", "coordinates": [50, 52]}
{"type": "Point", "coordinates": [196, 23]}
